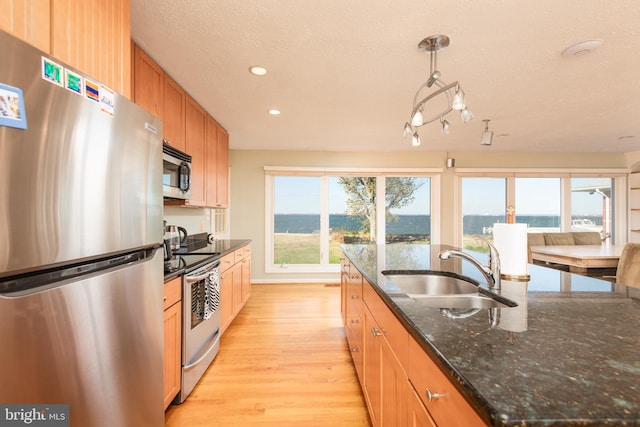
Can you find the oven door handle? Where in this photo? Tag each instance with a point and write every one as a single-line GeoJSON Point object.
{"type": "Point", "coordinates": [201, 358]}
{"type": "Point", "coordinates": [193, 279]}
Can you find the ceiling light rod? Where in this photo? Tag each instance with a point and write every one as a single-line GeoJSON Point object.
{"type": "Point", "coordinates": [453, 93]}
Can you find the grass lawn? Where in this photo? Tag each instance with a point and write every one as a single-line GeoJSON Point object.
{"type": "Point", "coordinates": [293, 248]}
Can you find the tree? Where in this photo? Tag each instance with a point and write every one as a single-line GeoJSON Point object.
{"type": "Point", "coordinates": [361, 193]}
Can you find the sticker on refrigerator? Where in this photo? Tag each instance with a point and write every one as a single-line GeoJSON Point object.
{"type": "Point", "coordinates": [92, 90]}
{"type": "Point", "coordinates": [73, 82]}
{"type": "Point", "coordinates": [107, 100]}
{"type": "Point", "coordinates": [52, 72]}
{"type": "Point", "coordinates": [12, 112]}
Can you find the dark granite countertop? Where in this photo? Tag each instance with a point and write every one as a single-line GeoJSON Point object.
{"type": "Point", "coordinates": [200, 254]}
{"type": "Point", "coordinates": [569, 354]}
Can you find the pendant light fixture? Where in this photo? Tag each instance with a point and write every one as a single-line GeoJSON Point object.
{"type": "Point", "coordinates": [453, 93]}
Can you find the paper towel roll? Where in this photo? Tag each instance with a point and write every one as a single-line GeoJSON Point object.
{"type": "Point", "coordinates": [511, 242]}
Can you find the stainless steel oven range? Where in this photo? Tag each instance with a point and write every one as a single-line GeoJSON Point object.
{"type": "Point", "coordinates": [200, 325]}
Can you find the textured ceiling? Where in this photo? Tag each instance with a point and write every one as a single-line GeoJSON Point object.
{"type": "Point", "coordinates": [344, 73]}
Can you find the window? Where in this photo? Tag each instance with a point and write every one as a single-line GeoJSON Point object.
{"type": "Point", "coordinates": [538, 203]}
{"type": "Point", "coordinates": [310, 213]}
{"type": "Point", "coordinates": [483, 204]}
{"type": "Point", "coordinates": [591, 205]}
{"type": "Point", "coordinates": [564, 202]}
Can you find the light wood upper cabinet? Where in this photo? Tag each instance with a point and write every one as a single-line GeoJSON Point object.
{"type": "Point", "coordinates": [187, 127]}
{"type": "Point", "coordinates": [24, 20]}
{"type": "Point", "coordinates": [174, 114]}
{"type": "Point", "coordinates": [195, 141]}
{"type": "Point", "coordinates": [148, 81]}
{"type": "Point", "coordinates": [222, 170]}
{"type": "Point", "coordinates": [94, 36]}
{"type": "Point", "coordinates": [217, 165]}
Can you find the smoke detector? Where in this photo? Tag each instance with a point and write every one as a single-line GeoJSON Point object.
{"type": "Point", "coordinates": [582, 48]}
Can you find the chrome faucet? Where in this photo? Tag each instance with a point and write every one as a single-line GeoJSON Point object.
{"type": "Point", "coordinates": [491, 272]}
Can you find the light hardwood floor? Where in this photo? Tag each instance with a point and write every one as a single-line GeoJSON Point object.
{"type": "Point", "coordinates": [284, 361]}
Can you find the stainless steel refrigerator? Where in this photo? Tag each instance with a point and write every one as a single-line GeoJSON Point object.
{"type": "Point", "coordinates": [81, 276]}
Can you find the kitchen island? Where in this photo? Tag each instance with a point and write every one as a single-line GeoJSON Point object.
{"type": "Point", "coordinates": [568, 354]}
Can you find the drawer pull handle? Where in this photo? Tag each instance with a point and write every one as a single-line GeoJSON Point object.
{"type": "Point", "coordinates": [354, 350]}
{"type": "Point", "coordinates": [375, 332]}
{"type": "Point", "coordinates": [432, 396]}
{"type": "Point", "coordinates": [355, 297]}
{"type": "Point", "coordinates": [355, 321]}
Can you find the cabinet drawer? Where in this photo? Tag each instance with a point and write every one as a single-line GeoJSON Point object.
{"type": "Point", "coordinates": [172, 291]}
{"type": "Point", "coordinates": [227, 261]}
{"type": "Point", "coordinates": [238, 255]}
{"type": "Point", "coordinates": [446, 405]}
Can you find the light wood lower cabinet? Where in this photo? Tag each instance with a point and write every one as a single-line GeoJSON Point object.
{"type": "Point", "coordinates": [235, 284]}
{"type": "Point", "coordinates": [402, 385]}
{"type": "Point", "coordinates": [443, 401]}
{"type": "Point", "coordinates": [386, 386]}
{"type": "Point", "coordinates": [172, 338]}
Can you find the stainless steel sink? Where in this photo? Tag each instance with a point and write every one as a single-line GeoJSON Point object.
{"type": "Point", "coordinates": [443, 290]}
{"type": "Point", "coordinates": [427, 284]}
{"type": "Point", "coordinates": [462, 301]}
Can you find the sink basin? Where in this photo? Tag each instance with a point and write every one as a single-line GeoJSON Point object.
{"type": "Point", "coordinates": [429, 284]}
{"type": "Point", "coordinates": [443, 290]}
{"type": "Point", "coordinates": [462, 301]}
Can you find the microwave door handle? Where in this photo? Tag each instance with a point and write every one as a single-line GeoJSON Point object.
{"type": "Point", "coordinates": [184, 177]}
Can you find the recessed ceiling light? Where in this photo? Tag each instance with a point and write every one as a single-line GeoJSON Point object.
{"type": "Point", "coordinates": [274, 112]}
{"type": "Point", "coordinates": [258, 71]}
{"type": "Point", "coordinates": [582, 48]}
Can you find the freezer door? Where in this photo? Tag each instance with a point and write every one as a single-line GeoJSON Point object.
{"type": "Point", "coordinates": [95, 344]}
{"type": "Point", "coordinates": [81, 181]}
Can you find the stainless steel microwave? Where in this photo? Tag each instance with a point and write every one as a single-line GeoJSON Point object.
{"type": "Point", "coordinates": [176, 173]}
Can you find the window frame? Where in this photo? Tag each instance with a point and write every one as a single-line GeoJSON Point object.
{"type": "Point", "coordinates": [619, 207]}
{"type": "Point", "coordinates": [324, 266]}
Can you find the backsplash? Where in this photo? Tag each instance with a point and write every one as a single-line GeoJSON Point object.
{"type": "Point", "coordinates": [199, 220]}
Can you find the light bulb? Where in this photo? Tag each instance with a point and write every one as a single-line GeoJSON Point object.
{"type": "Point", "coordinates": [415, 141]}
{"type": "Point", "coordinates": [445, 127]}
{"type": "Point", "coordinates": [407, 130]}
{"type": "Point", "coordinates": [458, 99]}
{"type": "Point", "coordinates": [417, 119]}
{"type": "Point", "coordinates": [465, 115]}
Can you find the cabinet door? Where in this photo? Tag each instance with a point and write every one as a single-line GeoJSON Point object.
{"type": "Point", "coordinates": [195, 139]}
{"type": "Point", "coordinates": [147, 83]}
{"type": "Point", "coordinates": [28, 20]}
{"type": "Point", "coordinates": [172, 352]}
{"type": "Point", "coordinates": [94, 36]}
{"type": "Point", "coordinates": [237, 288]}
{"type": "Point", "coordinates": [246, 279]}
{"type": "Point", "coordinates": [173, 113]}
{"type": "Point", "coordinates": [222, 177]}
{"type": "Point", "coordinates": [372, 360]}
{"type": "Point", "coordinates": [226, 299]}
{"type": "Point", "coordinates": [394, 388]}
{"type": "Point", "coordinates": [211, 163]}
